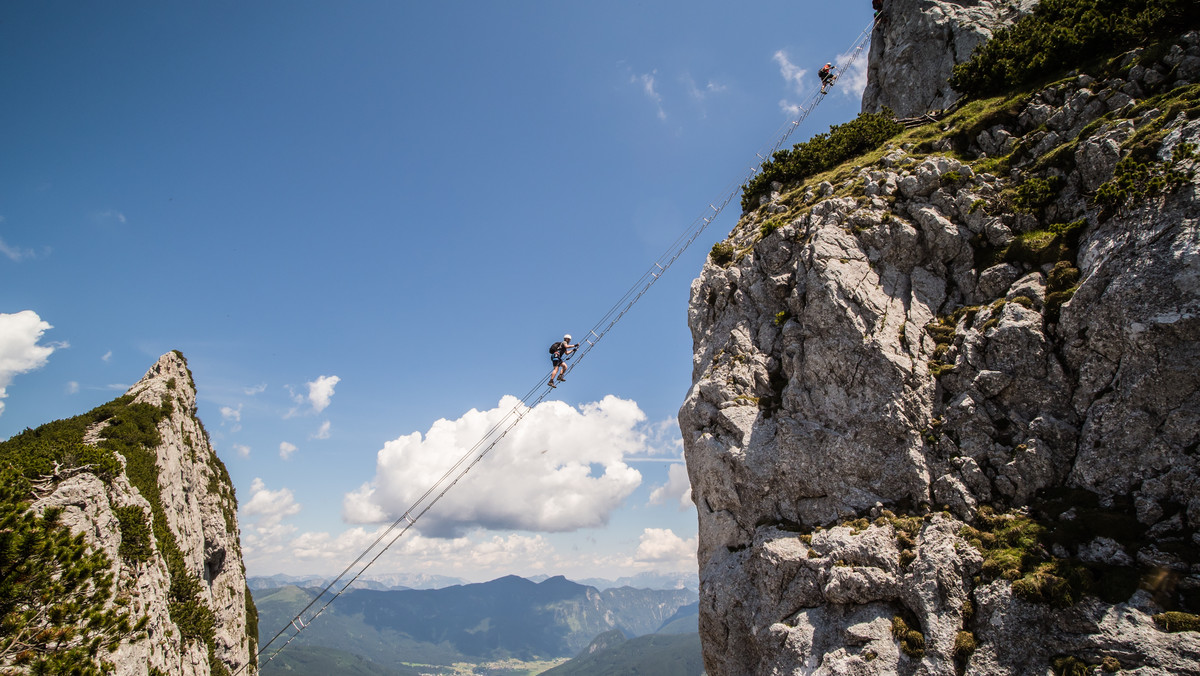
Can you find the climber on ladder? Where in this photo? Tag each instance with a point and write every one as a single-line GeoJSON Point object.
{"type": "Point", "coordinates": [560, 352]}
{"type": "Point", "coordinates": [828, 77]}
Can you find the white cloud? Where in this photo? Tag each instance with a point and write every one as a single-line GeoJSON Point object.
{"type": "Point", "coordinates": [15, 254]}
{"type": "Point", "coordinates": [269, 508]}
{"type": "Point", "coordinates": [266, 543]}
{"type": "Point", "coordinates": [476, 556]}
{"type": "Point", "coordinates": [106, 356]}
{"type": "Point", "coordinates": [320, 393]}
{"type": "Point", "coordinates": [323, 431]}
{"type": "Point", "coordinates": [257, 389]}
{"type": "Point", "coordinates": [72, 387]}
{"type": "Point", "coordinates": [853, 81]}
{"type": "Point", "coordinates": [264, 535]}
{"type": "Point", "coordinates": [646, 82]}
{"type": "Point", "coordinates": [678, 488]}
{"type": "Point", "coordinates": [242, 450]}
{"type": "Point", "coordinates": [796, 79]}
{"type": "Point", "coordinates": [664, 438]}
{"type": "Point", "coordinates": [286, 450]}
{"type": "Point", "coordinates": [662, 546]}
{"type": "Point", "coordinates": [794, 75]}
{"type": "Point", "coordinates": [232, 415]}
{"type": "Point", "coordinates": [560, 470]}
{"type": "Point", "coordinates": [19, 349]}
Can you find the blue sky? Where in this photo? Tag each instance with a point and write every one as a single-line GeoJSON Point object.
{"type": "Point", "coordinates": [364, 222]}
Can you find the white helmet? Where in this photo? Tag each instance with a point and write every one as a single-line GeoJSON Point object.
{"type": "Point", "coordinates": [567, 337]}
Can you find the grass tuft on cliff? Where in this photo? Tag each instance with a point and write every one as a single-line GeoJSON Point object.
{"type": "Point", "coordinates": [821, 153]}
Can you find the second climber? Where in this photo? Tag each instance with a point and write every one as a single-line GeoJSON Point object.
{"type": "Point", "coordinates": [560, 352]}
{"type": "Point", "coordinates": [827, 76]}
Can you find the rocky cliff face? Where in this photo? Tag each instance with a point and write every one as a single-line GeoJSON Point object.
{"type": "Point", "coordinates": [946, 403]}
{"type": "Point", "coordinates": [190, 581]}
{"type": "Point", "coordinates": [917, 43]}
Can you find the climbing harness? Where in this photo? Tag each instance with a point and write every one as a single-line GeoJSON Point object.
{"type": "Point", "coordinates": [541, 390]}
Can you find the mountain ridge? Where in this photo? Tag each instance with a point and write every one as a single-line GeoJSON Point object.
{"type": "Point", "coordinates": [509, 617]}
{"type": "Point", "coordinates": [138, 481]}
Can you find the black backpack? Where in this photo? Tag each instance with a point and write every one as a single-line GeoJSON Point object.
{"type": "Point", "coordinates": [556, 348]}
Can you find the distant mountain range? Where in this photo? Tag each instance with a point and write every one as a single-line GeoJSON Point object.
{"type": "Point", "coordinates": [399, 581]}
{"type": "Point", "coordinates": [507, 618]}
{"type": "Point", "coordinates": [378, 582]}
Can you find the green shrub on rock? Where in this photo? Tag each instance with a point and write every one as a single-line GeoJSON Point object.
{"type": "Point", "coordinates": [54, 593]}
{"type": "Point", "coordinates": [1060, 34]}
{"type": "Point", "coordinates": [821, 153]}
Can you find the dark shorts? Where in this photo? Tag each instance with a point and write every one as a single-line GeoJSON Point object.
{"type": "Point", "coordinates": [555, 359]}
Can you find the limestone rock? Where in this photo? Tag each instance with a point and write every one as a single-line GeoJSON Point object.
{"type": "Point", "coordinates": [868, 378]}
{"type": "Point", "coordinates": [917, 43]}
{"type": "Point", "coordinates": [197, 499]}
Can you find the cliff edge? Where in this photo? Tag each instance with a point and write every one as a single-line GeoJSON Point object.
{"type": "Point", "coordinates": [139, 483]}
{"type": "Point", "coordinates": [945, 407]}
{"type": "Point", "coordinates": [916, 44]}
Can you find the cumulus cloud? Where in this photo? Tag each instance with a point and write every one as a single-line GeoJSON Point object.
{"type": "Point", "coordinates": [562, 469]}
{"type": "Point", "coordinates": [853, 81]}
{"type": "Point", "coordinates": [664, 438]}
{"type": "Point", "coordinates": [72, 387]}
{"type": "Point", "coordinates": [19, 348]}
{"type": "Point", "coordinates": [242, 450]}
{"type": "Point", "coordinates": [512, 552]}
{"type": "Point", "coordinates": [678, 488]}
{"type": "Point", "coordinates": [264, 534]}
{"type": "Point", "coordinates": [662, 546]}
{"type": "Point", "coordinates": [269, 507]}
{"type": "Point", "coordinates": [286, 450]}
{"type": "Point", "coordinates": [266, 543]}
{"type": "Point", "coordinates": [320, 393]}
{"type": "Point", "coordinates": [273, 547]}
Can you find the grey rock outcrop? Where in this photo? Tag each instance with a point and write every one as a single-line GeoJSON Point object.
{"type": "Point", "coordinates": [917, 358]}
{"type": "Point", "coordinates": [917, 43]}
{"type": "Point", "coordinates": [196, 496]}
